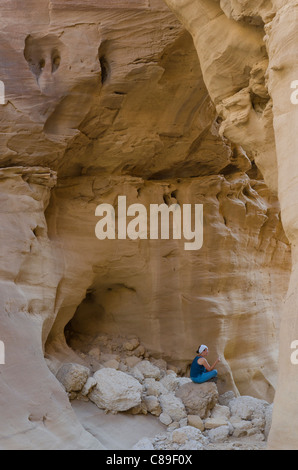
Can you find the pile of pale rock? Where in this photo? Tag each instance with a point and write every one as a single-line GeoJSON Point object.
{"type": "Point", "coordinates": [195, 416]}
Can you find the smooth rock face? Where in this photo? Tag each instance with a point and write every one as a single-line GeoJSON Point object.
{"type": "Point", "coordinates": [165, 102]}
{"type": "Point", "coordinates": [115, 390]}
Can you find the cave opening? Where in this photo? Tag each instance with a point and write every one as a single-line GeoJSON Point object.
{"type": "Point", "coordinates": [102, 331]}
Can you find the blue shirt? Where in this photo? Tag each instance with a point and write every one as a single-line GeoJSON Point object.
{"type": "Point", "coordinates": [196, 369]}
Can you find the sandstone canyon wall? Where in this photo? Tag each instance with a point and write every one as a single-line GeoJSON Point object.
{"type": "Point", "coordinates": [266, 34]}
{"type": "Point", "coordinates": [164, 103]}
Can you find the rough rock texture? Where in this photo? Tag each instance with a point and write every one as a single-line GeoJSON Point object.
{"type": "Point", "coordinates": [73, 377]}
{"type": "Point", "coordinates": [198, 400]}
{"type": "Point", "coordinates": [115, 390]}
{"type": "Point", "coordinates": [243, 422]}
{"type": "Point", "coordinates": [240, 424]}
{"type": "Point", "coordinates": [186, 104]}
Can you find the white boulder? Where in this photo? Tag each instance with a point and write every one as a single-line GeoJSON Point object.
{"type": "Point", "coordinates": [172, 406]}
{"type": "Point", "coordinates": [147, 370]}
{"type": "Point", "coordinates": [115, 390]}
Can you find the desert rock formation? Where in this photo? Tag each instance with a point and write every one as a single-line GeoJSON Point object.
{"type": "Point", "coordinates": [254, 103]}
{"type": "Point", "coordinates": [177, 103]}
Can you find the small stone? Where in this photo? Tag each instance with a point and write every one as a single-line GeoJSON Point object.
{"type": "Point", "coordinates": [139, 351]}
{"type": "Point", "coordinates": [179, 437]}
{"type": "Point", "coordinates": [221, 411]}
{"type": "Point", "coordinates": [166, 419]}
{"type": "Point", "coordinates": [226, 397]}
{"type": "Point", "coordinates": [131, 344]}
{"type": "Point", "coordinates": [160, 363]}
{"type": "Point", "coordinates": [190, 433]}
{"type": "Point", "coordinates": [132, 361]}
{"type": "Point", "coordinates": [211, 423]}
{"type": "Point", "coordinates": [89, 385]}
{"type": "Point", "coordinates": [174, 425]}
{"type": "Point", "coordinates": [112, 364]}
{"type": "Point", "coordinates": [105, 357]}
{"type": "Point", "coordinates": [73, 376]}
{"type": "Point", "coordinates": [122, 367]}
{"type": "Point", "coordinates": [143, 444]}
{"type": "Point", "coordinates": [154, 387]}
{"type": "Point", "coordinates": [95, 353]}
{"type": "Point", "coordinates": [152, 405]}
{"type": "Point", "coordinates": [183, 422]}
{"type": "Point", "coordinates": [138, 409]}
{"type": "Point", "coordinates": [219, 434]}
{"type": "Point", "coordinates": [196, 422]}
{"type": "Point", "coordinates": [241, 427]}
{"type": "Point", "coordinates": [170, 381]}
{"type": "Point", "coordinates": [192, 444]}
{"type": "Point", "coordinates": [147, 369]}
{"type": "Point", "coordinates": [173, 406]}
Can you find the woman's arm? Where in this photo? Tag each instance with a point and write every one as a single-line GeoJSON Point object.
{"type": "Point", "coordinates": [206, 365]}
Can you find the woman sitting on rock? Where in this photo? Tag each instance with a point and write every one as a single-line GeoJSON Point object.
{"type": "Point", "coordinates": [200, 370]}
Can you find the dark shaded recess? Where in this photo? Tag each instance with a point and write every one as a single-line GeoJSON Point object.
{"type": "Point", "coordinates": [184, 170]}
{"type": "Point", "coordinates": [56, 60]}
{"type": "Point", "coordinates": [104, 69]}
{"type": "Point", "coordinates": [254, 173]}
{"type": "Point", "coordinates": [37, 48]}
{"type": "Point", "coordinates": [229, 170]}
{"type": "Point", "coordinates": [69, 329]}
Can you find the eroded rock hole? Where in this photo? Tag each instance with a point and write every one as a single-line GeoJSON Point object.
{"type": "Point", "coordinates": [104, 69]}
{"type": "Point", "coordinates": [102, 331]}
{"type": "Point", "coordinates": [43, 53]}
{"type": "Point", "coordinates": [56, 60]}
{"type": "Point", "coordinates": [38, 231]}
{"type": "Point", "coordinates": [103, 311]}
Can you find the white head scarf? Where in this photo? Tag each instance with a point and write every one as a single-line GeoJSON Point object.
{"type": "Point", "coordinates": [202, 348]}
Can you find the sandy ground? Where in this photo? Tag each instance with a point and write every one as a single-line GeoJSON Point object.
{"type": "Point", "coordinates": [116, 431]}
